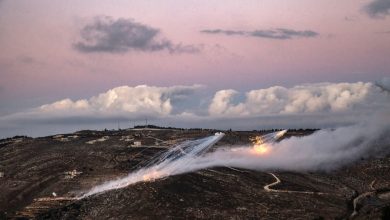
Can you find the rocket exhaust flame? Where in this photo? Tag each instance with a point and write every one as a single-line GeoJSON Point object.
{"type": "Point", "coordinates": [261, 149]}
{"type": "Point", "coordinates": [260, 143]}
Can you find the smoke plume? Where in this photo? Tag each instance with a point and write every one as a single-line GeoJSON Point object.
{"type": "Point", "coordinates": [324, 150]}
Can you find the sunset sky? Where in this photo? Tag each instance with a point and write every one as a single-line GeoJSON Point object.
{"type": "Point", "coordinates": [52, 50]}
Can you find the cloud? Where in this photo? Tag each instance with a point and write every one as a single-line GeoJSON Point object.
{"type": "Point", "coordinates": [107, 35]}
{"type": "Point", "coordinates": [120, 104]}
{"type": "Point", "coordinates": [384, 83]}
{"type": "Point", "coordinates": [221, 102]}
{"type": "Point", "coordinates": [308, 98]}
{"type": "Point", "coordinates": [278, 33]}
{"type": "Point", "coordinates": [378, 8]}
{"type": "Point", "coordinates": [319, 105]}
{"type": "Point", "coordinates": [139, 100]}
{"type": "Point", "coordinates": [276, 101]}
{"type": "Point", "coordinates": [226, 32]}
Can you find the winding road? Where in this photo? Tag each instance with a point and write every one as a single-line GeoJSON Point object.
{"type": "Point", "coordinates": [267, 187]}
{"type": "Point", "coordinates": [277, 181]}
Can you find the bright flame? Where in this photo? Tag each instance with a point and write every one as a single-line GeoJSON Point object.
{"type": "Point", "coordinates": [259, 147]}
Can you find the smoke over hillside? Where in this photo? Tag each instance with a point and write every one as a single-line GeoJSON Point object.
{"type": "Point", "coordinates": [322, 151]}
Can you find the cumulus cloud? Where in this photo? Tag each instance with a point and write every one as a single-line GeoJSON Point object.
{"type": "Point", "coordinates": [378, 8]}
{"type": "Point", "coordinates": [321, 105]}
{"type": "Point", "coordinates": [108, 35]}
{"type": "Point", "coordinates": [278, 33]}
{"type": "Point", "coordinates": [221, 102]}
{"type": "Point", "coordinates": [309, 98]}
{"type": "Point", "coordinates": [139, 100]}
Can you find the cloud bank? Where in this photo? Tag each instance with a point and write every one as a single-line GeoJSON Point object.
{"type": "Point", "coordinates": [302, 99]}
{"type": "Point", "coordinates": [277, 34]}
{"type": "Point", "coordinates": [378, 8]}
{"type": "Point", "coordinates": [320, 105]}
{"type": "Point", "coordinates": [107, 35]}
{"type": "Point", "coordinates": [139, 100]}
{"type": "Point", "coordinates": [321, 98]}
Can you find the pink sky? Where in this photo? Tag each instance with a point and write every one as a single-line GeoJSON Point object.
{"type": "Point", "coordinates": [38, 64]}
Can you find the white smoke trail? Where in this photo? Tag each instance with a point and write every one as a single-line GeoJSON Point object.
{"type": "Point", "coordinates": [174, 161]}
{"type": "Point", "coordinates": [324, 150]}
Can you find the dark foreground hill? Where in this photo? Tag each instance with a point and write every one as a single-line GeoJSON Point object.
{"type": "Point", "coordinates": [40, 177]}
